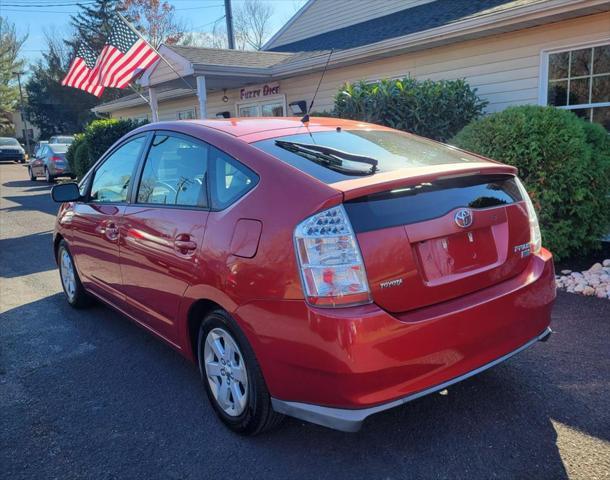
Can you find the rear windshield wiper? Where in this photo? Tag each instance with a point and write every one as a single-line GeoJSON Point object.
{"type": "Point", "coordinates": [330, 157]}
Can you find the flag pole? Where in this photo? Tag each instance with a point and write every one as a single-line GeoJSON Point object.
{"type": "Point", "coordinates": [138, 93]}
{"type": "Point", "coordinates": [156, 51]}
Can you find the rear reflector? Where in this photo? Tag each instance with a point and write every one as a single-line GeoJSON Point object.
{"type": "Point", "coordinates": [329, 258]}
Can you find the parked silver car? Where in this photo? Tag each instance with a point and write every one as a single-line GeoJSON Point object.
{"type": "Point", "coordinates": [50, 163]}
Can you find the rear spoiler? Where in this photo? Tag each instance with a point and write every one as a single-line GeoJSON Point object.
{"type": "Point", "coordinates": [380, 182]}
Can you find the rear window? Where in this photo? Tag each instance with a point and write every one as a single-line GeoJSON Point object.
{"type": "Point", "coordinates": [429, 200]}
{"type": "Point", "coordinates": [58, 148]}
{"type": "Point", "coordinates": [66, 140]}
{"type": "Point", "coordinates": [392, 150]}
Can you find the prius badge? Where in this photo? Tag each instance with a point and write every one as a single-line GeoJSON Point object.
{"type": "Point", "coordinates": [463, 217]}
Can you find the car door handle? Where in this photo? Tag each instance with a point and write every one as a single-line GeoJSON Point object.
{"type": "Point", "coordinates": [111, 231]}
{"type": "Point", "coordinates": [184, 245]}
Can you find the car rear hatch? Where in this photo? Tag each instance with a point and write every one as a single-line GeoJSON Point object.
{"type": "Point", "coordinates": [430, 236]}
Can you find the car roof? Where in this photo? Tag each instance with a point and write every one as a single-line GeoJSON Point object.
{"type": "Point", "coordinates": [252, 129]}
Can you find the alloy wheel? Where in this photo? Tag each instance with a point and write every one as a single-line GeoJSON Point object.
{"type": "Point", "coordinates": [226, 372]}
{"type": "Point", "coordinates": [68, 278]}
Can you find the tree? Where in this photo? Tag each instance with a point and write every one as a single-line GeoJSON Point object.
{"type": "Point", "coordinates": [251, 27]}
{"type": "Point", "coordinates": [251, 23]}
{"type": "Point", "coordinates": [92, 24]}
{"type": "Point", "coordinates": [156, 21]}
{"type": "Point", "coordinates": [10, 44]}
{"type": "Point", "coordinates": [53, 108]}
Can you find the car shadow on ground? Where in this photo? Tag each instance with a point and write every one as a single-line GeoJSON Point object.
{"type": "Point", "coordinates": [31, 186]}
{"type": "Point", "coordinates": [90, 391]}
{"type": "Point", "coordinates": [35, 252]}
{"type": "Point", "coordinates": [41, 202]}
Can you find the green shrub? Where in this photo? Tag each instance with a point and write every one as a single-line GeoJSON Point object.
{"type": "Point", "coordinates": [435, 110]}
{"type": "Point", "coordinates": [101, 134]}
{"type": "Point", "coordinates": [79, 138]}
{"type": "Point", "coordinates": [82, 159]}
{"type": "Point", "coordinates": [564, 163]}
{"type": "Point", "coordinates": [98, 137]}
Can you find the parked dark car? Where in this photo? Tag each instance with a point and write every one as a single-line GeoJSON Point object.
{"type": "Point", "coordinates": [50, 163]}
{"type": "Point", "coordinates": [326, 271]}
{"type": "Point", "coordinates": [11, 150]}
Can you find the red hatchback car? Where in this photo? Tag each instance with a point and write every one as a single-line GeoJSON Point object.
{"type": "Point", "coordinates": [327, 270]}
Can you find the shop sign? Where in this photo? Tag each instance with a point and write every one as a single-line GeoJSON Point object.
{"type": "Point", "coordinates": [260, 91]}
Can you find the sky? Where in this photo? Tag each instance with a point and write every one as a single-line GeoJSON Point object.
{"type": "Point", "coordinates": [35, 17]}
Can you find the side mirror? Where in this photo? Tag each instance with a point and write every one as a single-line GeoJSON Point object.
{"type": "Point", "coordinates": [65, 192]}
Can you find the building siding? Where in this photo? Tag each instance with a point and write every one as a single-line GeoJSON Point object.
{"type": "Point", "coordinates": [504, 68]}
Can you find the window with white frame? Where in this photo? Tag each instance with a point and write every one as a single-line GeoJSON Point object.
{"type": "Point", "coordinates": [186, 114]}
{"type": "Point", "coordinates": [579, 80]}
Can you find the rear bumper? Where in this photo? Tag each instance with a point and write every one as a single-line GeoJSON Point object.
{"type": "Point", "coordinates": [338, 366]}
{"type": "Point", "coordinates": [350, 420]}
{"type": "Point", "coordinates": [56, 171]}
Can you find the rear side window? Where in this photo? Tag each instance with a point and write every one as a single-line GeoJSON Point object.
{"type": "Point", "coordinates": [112, 178]}
{"type": "Point", "coordinates": [230, 180]}
{"type": "Point", "coordinates": [175, 173]}
{"type": "Point", "coordinates": [392, 150]}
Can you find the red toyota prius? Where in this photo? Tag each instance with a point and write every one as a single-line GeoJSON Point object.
{"type": "Point", "coordinates": [325, 270]}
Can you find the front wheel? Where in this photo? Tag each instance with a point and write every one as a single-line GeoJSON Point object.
{"type": "Point", "coordinates": [70, 281]}
{"type": "Point", "coordinates": [232, 377]}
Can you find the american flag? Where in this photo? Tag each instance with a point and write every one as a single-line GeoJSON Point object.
{"type": "Point", "coordinates": [79, 74]}
{"type": "Point", "coordinates": [124, 55]}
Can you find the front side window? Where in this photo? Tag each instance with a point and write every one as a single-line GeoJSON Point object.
{"type": "Point", "coordinates": [579, 80]}
{"type": "Point", "coordinates": [112, 178]}
{"type": "Point", "coordinates": [230, 180]}
{"type": "Point", "coordinates": [175, 173]}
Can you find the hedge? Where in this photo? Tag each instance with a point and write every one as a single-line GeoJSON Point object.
{"type": "Point", "coordinates": [564, 162]}
{"type": "Point", "coordinates": [432, 109]}
{"type": "Point", "coordinates": [98, 137]}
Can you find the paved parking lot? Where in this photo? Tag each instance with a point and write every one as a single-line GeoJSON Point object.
{"type": "Point", "coordinates": [91, 395]}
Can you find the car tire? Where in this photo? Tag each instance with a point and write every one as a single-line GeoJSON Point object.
{"type": "Point", "coordinates": [254, 414]}
{"type": "Point", "coordinates": [47, 175]}
{"type": "Point", "coordinates": [31, 174]}
{"type": "Point", "coordinates": [75, 293]}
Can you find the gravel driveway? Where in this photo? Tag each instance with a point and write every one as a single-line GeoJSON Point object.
{"type": "Point", "coordinates": [90, 395]}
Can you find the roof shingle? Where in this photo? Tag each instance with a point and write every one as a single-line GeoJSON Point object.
{"type": "Point", "coordinates": [404, 22]}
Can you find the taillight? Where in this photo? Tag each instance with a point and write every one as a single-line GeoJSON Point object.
{"type": "Point", "coordinates": [56, 159]}
{"type": "Point", "coordinates": [535, 235]}
{"type": "Point", "coordinates": [331, 265]}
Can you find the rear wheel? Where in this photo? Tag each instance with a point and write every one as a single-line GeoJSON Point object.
{"type": "Point", "coordinates": [232, 377]}
{"type": "Point", "coordinates": [31, 174]}
{"type": "Point", "coordinates": [47, 175]}
{"type": "Point", "coordinates": [70, 281]}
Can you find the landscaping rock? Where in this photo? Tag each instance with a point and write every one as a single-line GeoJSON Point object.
{"type": "Point", "coordinates": [592, 282]}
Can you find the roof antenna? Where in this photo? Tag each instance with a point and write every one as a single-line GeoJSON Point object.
{"type": "Point", "coordinates": [305, 118]}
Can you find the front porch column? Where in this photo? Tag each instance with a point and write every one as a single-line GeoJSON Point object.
{"type": "Point", "coordinates": [202, 95]}
{"type": "Point", "coordinates": [154, 106]}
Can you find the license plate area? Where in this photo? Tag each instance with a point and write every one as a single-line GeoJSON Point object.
{"type": "Point", "coordinates": [463, 253]}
